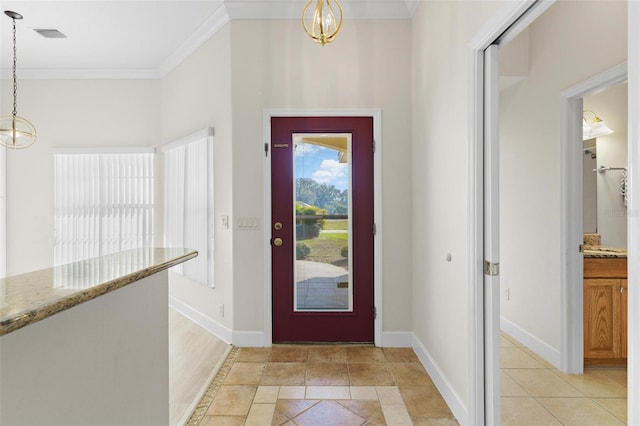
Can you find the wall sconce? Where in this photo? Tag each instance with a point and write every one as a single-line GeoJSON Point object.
{"type": "Point", "coordinates": [594, 128]}
{"type": "Point", "coordinates": [323, 25]}
{"type": "Point", "coordinates": [16, 132]}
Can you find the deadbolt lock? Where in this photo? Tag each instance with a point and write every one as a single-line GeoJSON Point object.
{"type": "Point", "coordinates": [277, 226]}
{"type": "Point", "coordinates": [277, 242]}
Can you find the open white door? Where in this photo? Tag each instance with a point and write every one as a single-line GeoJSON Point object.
{"type": "Point", "coordinates": [491, 237]}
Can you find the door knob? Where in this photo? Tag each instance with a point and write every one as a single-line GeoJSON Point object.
{"type": "Point", "coordinates": [277, 226]}
{"type": "Point", "coordinates": [277, 242]}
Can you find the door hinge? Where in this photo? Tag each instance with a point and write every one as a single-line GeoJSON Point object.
{"type": "Point", "coordinates": [374, 229]}
{"type": "Point", "coordinates": [491, 269]}
{"type": "Point", "coordinates": [374, 146]}
{"type": "Point", "coordinates": [375, 313]}
{"type": "Point", "coordinates": [266, 149]}
{"type": "Point", "coordinates": [581, 248]}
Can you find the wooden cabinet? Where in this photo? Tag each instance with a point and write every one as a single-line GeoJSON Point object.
{"type": "Point", "coordinates": [605, 310]}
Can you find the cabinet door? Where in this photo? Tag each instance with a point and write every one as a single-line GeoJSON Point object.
{"type": "Point", "coordinates": [601, 321]}
{"type": "Point", "coordinates": [623, 319]}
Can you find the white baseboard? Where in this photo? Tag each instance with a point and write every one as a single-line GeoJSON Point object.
{"type": "Point", "coordinates": [541, 348]}
{"type": "Point", "coordinates": [192, 408]}
{"type": "Point", "coordinates": [396, 339]}
{"type": "Point", "coordinates": [451, 397]}
{"type": "Point", "coordinates": [214, 327]}
{"type": "Point", "coordinates": [255, 339]}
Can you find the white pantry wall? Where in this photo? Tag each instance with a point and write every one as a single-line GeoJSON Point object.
{"type": "Point", "coordinates": [441, 35]}
{"type": "Point", "coordinates": [67, 113]}
{"type": "Point", "coordinates": [195, 95]}
{"type": "Point", "coordinates": [562, 45]}
{"type": "Point", "coordinates": [275, 65]}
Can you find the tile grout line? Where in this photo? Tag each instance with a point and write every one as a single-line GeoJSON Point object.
{"type": "Point", "coordinates": [534, 398]}
{"type": "Point", "coordinates": [555, 371]}
{"type": "Point", "coordinates": [200, 414]}
{"type": "Point", "coordinates": [607, 409]}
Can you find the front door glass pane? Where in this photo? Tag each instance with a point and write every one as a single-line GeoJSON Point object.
{"type": "Point", "coordinates": [322, 208]}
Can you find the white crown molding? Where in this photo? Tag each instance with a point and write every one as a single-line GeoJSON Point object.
{"type": "Point", "coordinates": [256, 9]}
{"type": "Point", "coordinates": [291, 9]}
{"type": "Point", "coordinates": [412, 7]}
{"type": "Point", "coordinates": [228, 10]}
{"type": "Point", "coordinates": [211, 26]}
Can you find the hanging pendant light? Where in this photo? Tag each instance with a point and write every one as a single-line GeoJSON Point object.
{"type": "Point", "coordinates": [594, 128]}
{"type": "Point", "coordinates": [323, 25]}
{"type": "Point", "coordinates": [16, 132]}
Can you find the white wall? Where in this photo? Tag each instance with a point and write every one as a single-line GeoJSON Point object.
{"type": "Point", "coordinates": [97, 113]}
{"type": "Point", "coordinates": [442, 32]}
{"type": "Point", "coordinates": [276, 65]}
{"type": "Point", "coordinates": [67, 113]}
{"type": "Point", "coordinates": [562, 54]}
{"type": "Point", "coordinates": [611, 106]}
{"type": "Point", "coordinates": [265, 64]}
{"type": "Point", "coordinates": [197, 94]}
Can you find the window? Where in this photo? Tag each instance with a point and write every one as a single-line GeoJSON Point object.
{"type": "Point", "coordinates": [103, 202]}
{"type": "Point", "coordinates": [188, 198]}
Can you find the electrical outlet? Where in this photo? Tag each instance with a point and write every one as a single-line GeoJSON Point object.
{"type": "Point", "coordinates": [221, 310]}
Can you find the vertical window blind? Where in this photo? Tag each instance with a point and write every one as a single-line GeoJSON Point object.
{"type": "Point", "coordinates": [103, 203]}
{"type": "Point", "coordinates": [188, 197]}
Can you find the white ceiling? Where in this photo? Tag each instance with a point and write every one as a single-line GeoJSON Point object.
{"type": "Point", "coordinates": [139, 39]}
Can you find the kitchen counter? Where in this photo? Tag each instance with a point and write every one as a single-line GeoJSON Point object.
{"type": "Point", "coordinates": [31, 297]}
{"type": "Point", "coordinates": [603, 252]}
{"type": "Point", "coordinates": [88, 343]}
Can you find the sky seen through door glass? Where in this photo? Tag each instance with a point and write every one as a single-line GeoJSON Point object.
{"type": "Point", "coordinates": [322, 165]}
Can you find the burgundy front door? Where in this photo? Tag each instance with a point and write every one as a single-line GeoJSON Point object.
{"type": "Point", "coordinates": [322, 229]}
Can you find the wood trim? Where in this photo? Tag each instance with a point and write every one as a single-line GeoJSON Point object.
{"type": "Point", "coordinates": [613, 362]}
{"type": "Point", "coordinates": [605, 268]}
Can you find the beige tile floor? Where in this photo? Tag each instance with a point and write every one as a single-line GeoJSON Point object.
{"type": "Point", "coordinates": [323, 385]}
{"type": "Point", "coordinates": [533, 392]}
{"type": "Point", "coordinates": [364, 385]}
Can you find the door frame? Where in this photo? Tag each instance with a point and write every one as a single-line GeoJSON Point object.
{"type": "Point", "coordinates": [505, 24]}
{"type": "Point", "coordinates": [571, 299]}
{"type": "Point", "coordinates": [376, 114]}
{"type": "Point", "coordinates": [515, 17]}
{"type": "Point", "coordinates": [491, 195]}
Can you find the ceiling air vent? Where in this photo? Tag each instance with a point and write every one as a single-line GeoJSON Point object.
{"type": "Point", "coordinates": [49, 33]}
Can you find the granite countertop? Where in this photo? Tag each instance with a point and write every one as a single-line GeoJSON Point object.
{"type": "Point", "coordinates": [31, 297]}
{"type": "Point", "coordinates": [591, 251]}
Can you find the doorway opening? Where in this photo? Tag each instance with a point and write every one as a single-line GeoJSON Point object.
{"type": "Point", "coordinates": [605, 228]}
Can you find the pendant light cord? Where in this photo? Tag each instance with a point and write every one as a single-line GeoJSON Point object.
{"type": "Point", "coordinates": [15, 63]}
{"type": "Point", "coordinates": [16, 132]}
